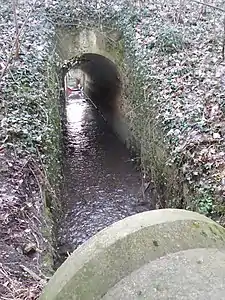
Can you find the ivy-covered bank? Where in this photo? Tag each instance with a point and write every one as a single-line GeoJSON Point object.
{"type": "Point", "coordinates": [177, 112]}
{"type": "Point", "coordinates": [173, 102]}
{"type": "Point", "coordinates": [30, 132]}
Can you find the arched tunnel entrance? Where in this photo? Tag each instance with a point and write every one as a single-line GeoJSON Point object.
{"type": "Point", "coordinates": [100, 80]}
{"type": "Point", "coordinates": [101, 183]}
{"type": "Point", "coordinates": [104, 84]}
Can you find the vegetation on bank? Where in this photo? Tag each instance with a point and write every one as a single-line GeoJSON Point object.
{"type": "Point", "coordinates": [178, 61]}
{"type": "Point", "coordinates": [174, 107]}
{"type": "Point", "coordinates": [174, 56]}
{"type": "Point", "coordinates": [30, 157]}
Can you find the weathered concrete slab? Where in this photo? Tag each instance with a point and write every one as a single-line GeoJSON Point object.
{"type": "Point", "coordinates": [195, 274]}
{"type": "Point", "coordinates": [126, 246]}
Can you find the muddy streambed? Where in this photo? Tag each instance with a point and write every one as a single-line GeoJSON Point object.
{"type": "Point", "coordinates": [102, 184]}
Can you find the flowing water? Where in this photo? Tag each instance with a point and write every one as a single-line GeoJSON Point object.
{"type": "Point", "coordinates": [102, 184]}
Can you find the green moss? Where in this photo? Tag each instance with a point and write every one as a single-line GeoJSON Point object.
{"type": "Point", "coordinates": [48, 254]}
{"type": "Point", "coordinates": [53, 136]}
{"type": "Point", "coordinates": [53, 154]}
{"type": "Point", "coordinates": [196, 224]}
{"type": "Point", "coordinates": [116, 50]}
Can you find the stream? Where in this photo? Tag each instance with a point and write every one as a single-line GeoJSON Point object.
{"type": "Point", "coordinates": [102, 184]}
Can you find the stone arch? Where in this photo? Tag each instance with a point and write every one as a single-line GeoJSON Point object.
{"type": "Point", "coordinates": [100, 57]}
{"type": "Point", "coordinates": [100, 78]}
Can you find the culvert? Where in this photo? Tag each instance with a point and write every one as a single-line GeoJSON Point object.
{"type": "Point", "coordinates": [101, 187]}
{"type": "Point", "coordinates": [103, 51]}
{"type": "Point", "coordinates": [103, 84]}
{"type": "Point", "coordinates": [100, 80]}
{"type": "Point", "coordinates": [101, 182]}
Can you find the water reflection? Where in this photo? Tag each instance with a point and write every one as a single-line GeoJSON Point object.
{"type": "Point", "coordinates": [102, 185]}
{"type": "Point", "coordinates": [75, 113]}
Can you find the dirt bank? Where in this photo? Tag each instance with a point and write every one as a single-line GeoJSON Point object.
{"type": "Point", "coordinates": [22, 241]}
{"type": "Point", "coordinates": [26, 140]}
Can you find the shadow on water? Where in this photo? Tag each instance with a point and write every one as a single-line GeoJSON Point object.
{"type": "Point", "coordinates": [102, 184]}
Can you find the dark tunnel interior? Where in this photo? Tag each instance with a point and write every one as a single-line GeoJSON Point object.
{"type": "Point", "coordinates": [105, 85]}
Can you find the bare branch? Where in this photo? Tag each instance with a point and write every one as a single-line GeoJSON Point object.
{"type": "Point", "coordinates": [17, 45]}
{"type": "Point", "coordinates": [16, 39]}
{"type": "Point", "coordinates": [209, 5]}
{"type": "Point", "coordinates": [223, 48]}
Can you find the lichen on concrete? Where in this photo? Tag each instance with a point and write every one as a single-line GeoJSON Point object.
{"type": "Point", "coordinates": [127, 246]}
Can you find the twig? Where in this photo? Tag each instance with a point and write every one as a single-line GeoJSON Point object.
{"type": "Point", "coordinates": [16, 39]}
{"type": "Point", "coordinates": [24, 165]}
{"type": "Point", "coordinates": [15, 3]}
{"type": "Point", "coordinates": [34, 275]}
{"type": "Point", "coordinates": [4, 272]}
{"type": "Point", "coordinates": [223, 48]}
{"type": "Point", "coordinates": [209, 5]}
{"type": "Point", "coordinates": [44, 178]}
{"type": "Point", "coordinates": [181, 9]}
{"type": "Point", "coordinates": [46, 114]}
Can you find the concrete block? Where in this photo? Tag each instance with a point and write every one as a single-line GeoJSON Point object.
{"type": "Point", "coordinates": [128, 245]}
{"type": "Point", "coordinates": [195, 274]}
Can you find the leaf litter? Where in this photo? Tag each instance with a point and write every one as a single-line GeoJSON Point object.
{"type": "Point", "coordinates": [177, 48]}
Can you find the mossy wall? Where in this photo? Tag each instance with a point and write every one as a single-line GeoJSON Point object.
{"type": "Point", "coordinates": [134, 119]}
{"type": "Point", "coordinates": [74, 41]}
